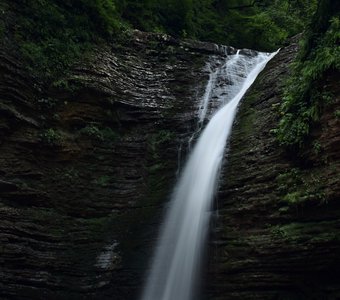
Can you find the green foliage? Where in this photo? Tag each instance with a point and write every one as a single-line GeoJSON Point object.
{"type": "Point", "coordinates": [64, 84]}
{"type": "Point", "coordinates": [296, 187]}
{"type": "Point", "coordinates": [47, 103]}
{"type": "Point", "coordinates": [91, 131]}
{"type": "Point", "coordinates": [337, 114]}
{"type": "Point", "coordinates": [261, 32]}
{"type": "Point", "coordinates": [53, 34]}
{"type": "Point", "coordinates": [105, 134]}
{"type": "Point", "coordinates": [50, 137]}
{"type": "Point", "coordinates": [317, 148]}
{"type": "Point", "coordinates": [155, 141]}
{"type": "Point", "coordinates": [314, 232]}
{"type": "Point", "coordinates": [292, 16]}
{"type": "Point", "coordinates": [242, 23]}
{"type": "Point", "coordinates": [303, 102]}
{"type": "Point", "coordinates": [294, 198]}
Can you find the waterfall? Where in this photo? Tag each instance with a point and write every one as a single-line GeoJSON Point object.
{"type": "Point", "coordinates": [207, 94]}
{"type": "Point", "coordinates": [175, 265]}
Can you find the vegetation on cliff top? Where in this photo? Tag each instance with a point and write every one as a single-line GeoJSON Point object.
{"type": "Point", "coordinates": [304, 95]}
{"type": "Point", "coordinates": [52, 34]}
{"type": "Point", "coordinates": [255, 24]}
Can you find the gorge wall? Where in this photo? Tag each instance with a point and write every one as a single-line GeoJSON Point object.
{"type": "Point", "coordinates": [276, 233]}
{"type": "Point", "coordinates": [88, 163]}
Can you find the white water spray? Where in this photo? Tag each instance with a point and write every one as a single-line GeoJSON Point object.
{"type": "Point", "coordinates": [175, 265]}
{"type": "Point", "coordinates": [207, 94]}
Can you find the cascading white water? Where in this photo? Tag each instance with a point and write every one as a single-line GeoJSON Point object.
{"type": "Point", "coordinates": [175, 265]}
{"type": "Point", "coordinates": [207, 94]}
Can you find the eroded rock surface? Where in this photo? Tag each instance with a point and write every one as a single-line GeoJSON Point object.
{"type": "Point", "coordinates": [276, 233]}
{"type": "Point", "coordinates": [88, 162]}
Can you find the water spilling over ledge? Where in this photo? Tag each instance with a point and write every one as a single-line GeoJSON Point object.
{"type": "Point", "coordinates": [176, 263]}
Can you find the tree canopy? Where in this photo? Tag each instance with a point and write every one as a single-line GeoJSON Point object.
{"type": "Point", "coordinates": [257, 24]}
{"type": "Point", "coordinates": [51, 34]}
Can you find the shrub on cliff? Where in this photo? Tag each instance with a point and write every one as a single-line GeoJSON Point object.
{"type": "Point", "coordinates": [304, 98]}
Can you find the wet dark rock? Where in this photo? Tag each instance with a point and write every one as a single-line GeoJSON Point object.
{"type": "Point", "coordinates": [262, 247]}
{"type": "Point", "coordinates": [88, 163]}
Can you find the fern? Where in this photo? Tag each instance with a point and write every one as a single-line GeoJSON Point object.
{"type": "Point", "coordinates": [302, 102]}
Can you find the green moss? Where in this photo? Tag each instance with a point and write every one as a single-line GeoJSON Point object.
{"type": "Point", "coordinates": [47, 104]}
{"type": "Point", "coordinates": [317, 147]}
{"type": "Point", "coordinates": [99, 225]}
{"type": "Point", "coordinates": [337, 114]}
{"type": "Point", "coordinates": [298, 187]}
{"type": "Point", "coordinates": [66, 85]}
{"type": "Point", "coordinates": [109, 134]}
{"type": "Point", "coordinates": [104, 134]}
{"type": "Point", "coordinates": [155, 168]}
{"type": "Point", "coordinates": [310, 232]}
{"type": "Point", "coordinates": [157, 140]}
{"type": "Point", "coordinates": [248, 119]}
{"type": "Point", "coordinates": [103, 181]}
{"type": "Point", "coordinates": [51, 137]}
{"type": "Point", "coordinates": [294, 198]}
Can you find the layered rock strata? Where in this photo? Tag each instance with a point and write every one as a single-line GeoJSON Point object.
{"type": "Point", "coordinates": [88, 162]}
{"type": "Point", "coordinates": [276, 230]}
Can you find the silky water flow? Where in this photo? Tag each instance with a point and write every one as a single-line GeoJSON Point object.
{"type": "Point", "coordinates": [175, 265]}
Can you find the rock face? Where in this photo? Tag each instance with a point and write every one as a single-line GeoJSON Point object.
{"type": "Point", "coordinates": [88, 162]}
{"type": "Point", "coordinates": [276, 233]}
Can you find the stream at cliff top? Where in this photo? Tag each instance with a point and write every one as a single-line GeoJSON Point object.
{"type": "Point", "coordinates": [175, 266]}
